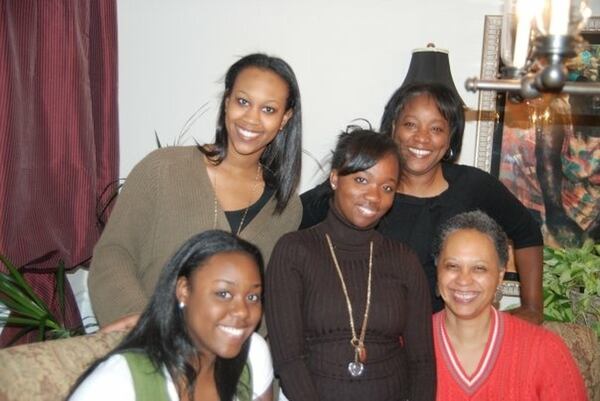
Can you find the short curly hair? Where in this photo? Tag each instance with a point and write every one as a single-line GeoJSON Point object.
{"type": "Point", "coordinates": [478, 221]}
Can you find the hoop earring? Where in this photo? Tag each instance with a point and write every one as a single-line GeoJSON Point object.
{"type": "Point", "coordinates": [449, 154]}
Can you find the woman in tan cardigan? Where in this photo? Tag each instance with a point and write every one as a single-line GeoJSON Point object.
{"type": "Point", "coordinates": [245, 182]}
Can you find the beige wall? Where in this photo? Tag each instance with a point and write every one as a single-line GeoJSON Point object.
{"type": "Point", "coordinates": [349, 56]}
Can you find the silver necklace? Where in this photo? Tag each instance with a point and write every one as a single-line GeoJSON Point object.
{"type": "Point", "coordinates": [216, 202]}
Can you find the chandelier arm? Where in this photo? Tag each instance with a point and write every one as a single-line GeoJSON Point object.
{"type": "Point", "coordinates": [514, 85]}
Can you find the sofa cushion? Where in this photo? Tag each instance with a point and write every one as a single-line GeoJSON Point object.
{"type": "Point", "coordinates": [584, 347]}
{"type": "Point", "coordinates": [46, 371]}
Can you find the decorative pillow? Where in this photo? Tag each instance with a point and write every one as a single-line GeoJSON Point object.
{"type": "Point", "coordinates": [584, 347]}
{"type": "Point", "coordinates": [46, 371]}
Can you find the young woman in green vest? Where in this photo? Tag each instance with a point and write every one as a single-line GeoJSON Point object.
{"type": "Point", "coordinates": [195, 340]}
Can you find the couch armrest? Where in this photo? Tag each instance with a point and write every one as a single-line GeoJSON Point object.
{"type": "Point", "coordinates": [583, 344]}
{"type": "Point", "coordinates": [46, 371]}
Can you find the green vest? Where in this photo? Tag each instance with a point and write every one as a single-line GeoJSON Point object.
{"type": "Point", "coordinates": [150, 384]}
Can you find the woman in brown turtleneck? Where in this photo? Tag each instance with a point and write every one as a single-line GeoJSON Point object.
{"type": "Point", "coordinates": [316, 276]}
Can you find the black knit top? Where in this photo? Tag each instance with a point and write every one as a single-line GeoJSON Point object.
{"type": "Point", "coordinates": [415, 221]}
{"type": "Point", "coordinates": [309, 328]}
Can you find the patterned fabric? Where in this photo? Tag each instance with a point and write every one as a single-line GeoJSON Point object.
{"type": "Point", "coordinates": [585, 348]}
{"type": "Point", "coordinates": [577, 157]}
{"type": "Point", "coordinates": [46, 371]}
{"type": "Point", "coordinates": [581, 189]}
{"type": "Point", "coordinates": [517, 167]}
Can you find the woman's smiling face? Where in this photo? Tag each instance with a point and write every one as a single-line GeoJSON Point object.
{"type": "Point", "coordinates": [423, 136]}
{"type": "Point", "coordinates": [365, 196]}
{"type": "Point", "coordinates": [468, 273]}
{"type": "Point", "coordinates": [222, 302]}
{"type": "Point", "coordinates": [255, 110]}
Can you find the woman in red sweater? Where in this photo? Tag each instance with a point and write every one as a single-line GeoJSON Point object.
{"type": "Point", "coordinates": [483, 354]}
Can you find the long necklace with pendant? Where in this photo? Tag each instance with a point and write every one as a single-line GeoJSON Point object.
{"type": "Point", "coordinates": [216, 202]}
{"type": "Point", "coordinates": [357, 367]}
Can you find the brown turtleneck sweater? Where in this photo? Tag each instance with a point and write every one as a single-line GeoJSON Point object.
{"type": "Point", "coordinates": [307, 316]}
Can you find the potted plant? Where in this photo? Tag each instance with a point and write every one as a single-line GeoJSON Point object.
{"type": "Point", "coordinates": [27, 310]}
{"type": "Point", "coordinates": [571, 284]}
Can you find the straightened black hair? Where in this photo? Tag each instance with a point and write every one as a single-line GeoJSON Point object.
{"type": "Point", "coordinates": [478, 221]}
{"type": "Point", "coordinates": [449, 105]}
{"type": "Point", "coordinates": [282, 159]}
{"type": "Point", "coordinates": [360, 149]}
{"type": "Point", "coordinates": [161, 332]}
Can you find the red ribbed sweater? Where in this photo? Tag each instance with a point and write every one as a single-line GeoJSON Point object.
{"type": "Point", "coordinates": [522, 362]}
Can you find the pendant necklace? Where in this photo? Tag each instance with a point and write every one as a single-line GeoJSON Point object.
{"type": "Point", "coordinates": [357, 367]}
{"type": "Point", "coordinates": [216, 202]}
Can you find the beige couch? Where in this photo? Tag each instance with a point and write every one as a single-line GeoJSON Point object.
{"type": "Point", "coordinates": [46, 371]}
{"type": "Point", "coordinates": [584, 346]}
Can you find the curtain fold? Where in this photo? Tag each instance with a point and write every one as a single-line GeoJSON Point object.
{"type": "Point", "coordinates": [58, 133]}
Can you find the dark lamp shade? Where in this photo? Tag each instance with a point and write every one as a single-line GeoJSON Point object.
{"type": "Point", "coordinates": [430, 65]}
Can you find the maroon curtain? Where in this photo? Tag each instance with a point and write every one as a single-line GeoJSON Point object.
{"type": "Point", "coordinates": [58, 133]}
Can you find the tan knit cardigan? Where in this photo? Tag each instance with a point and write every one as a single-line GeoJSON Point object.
{"type": "Point", "coordinates": [167, 198]}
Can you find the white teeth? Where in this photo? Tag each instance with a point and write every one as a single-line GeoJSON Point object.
{"type": "Point", "coordinates": [419, 152]}
{"type": "Point", "coordinates": [232, 331]}
{"type": "Point", "coordinates": [247, 134]}
{"type": "Point", "coordinates": [367, 211]}
{"type": "Point", "coordinates": [465, 296]}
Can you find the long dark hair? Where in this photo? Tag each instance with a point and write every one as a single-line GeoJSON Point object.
{"type": "Point", "coordinates": [448, 103]}
{"type": "Point", "coordinates": [282, 159]}
{"type": "Point", "coordinates": [161, 331]}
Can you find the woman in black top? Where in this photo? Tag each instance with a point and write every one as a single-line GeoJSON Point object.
{"type": "Point", "coordinates": [427, 122]}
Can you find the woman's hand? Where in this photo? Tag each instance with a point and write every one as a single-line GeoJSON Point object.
{"type": "Point", "coordinates": [123, 324]}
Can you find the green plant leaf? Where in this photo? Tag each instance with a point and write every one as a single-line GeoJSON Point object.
{"type": "Point", "coordinates": [158, 144]}
{"type": "Point", "coordinates": [565, 277]}
{"type": "Point", "coordinates": [60, 288]}
{"type": "Point", "coordinates": [19, 321]}
{"type": "Point", "coordinates": [16, 275]}
{"type": "Point", "coordinates": [15, 308]}
{"type": "Point", "coordinates": [64, 333]}
{"type": "Point", "coordinates": [42, 330]}
{"type": "Point", "coordinates": [571, 281]}
{"type": "Point", "coordinates": [26, 305]}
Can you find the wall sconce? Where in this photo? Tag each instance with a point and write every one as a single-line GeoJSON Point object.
{"type": "Point", "coordinates": [538, 37]}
